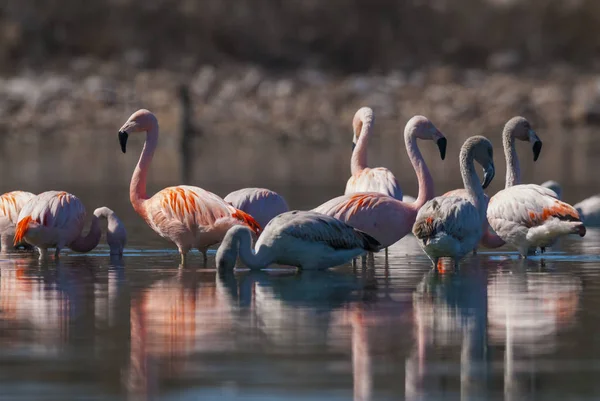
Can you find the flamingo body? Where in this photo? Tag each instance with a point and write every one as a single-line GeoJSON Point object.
{"type": "Point", "coordinates": [378, 179]}
{"type": "Point", "coordinates": [260, 203]}
{"type": "Point", "coordinates": [52, 219]}
{"type": "Point", "coordinates": [307, 240]}
{"type": "Point", "coordinates": [11, 204]}
{"type": "Point", "coordinates": [530, 216]}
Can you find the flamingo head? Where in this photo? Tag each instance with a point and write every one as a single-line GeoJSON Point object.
{"type": "Point", "coordinates": [422, 128]}
{"type": "Point", "coordinates": [483, 153]}
{"type": "Point", "coordinates": [363, 116]}
{"type": "Point", "coordinates": [141, 121]}
{"type": "Point", "coordinates": [520, 128]}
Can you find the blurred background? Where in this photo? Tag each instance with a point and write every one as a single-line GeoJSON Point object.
{"type": "Point", "coordinates": [262, 92]}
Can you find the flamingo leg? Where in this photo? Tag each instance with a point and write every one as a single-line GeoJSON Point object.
{"type": "Point", "coordinates": [386, 253]}
{"type": "Point", "coordinates": [43, 253]}
{"type": "Point", "coordinates": [205, 257]}
{"type": "Point", "coordinates": [57, 253]}
{"type": "Point", "coordinates": [183, 258]}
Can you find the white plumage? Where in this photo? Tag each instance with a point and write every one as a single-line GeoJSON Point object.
{"type": "Point", "coordinates": [308, 240]}
{"type": "Point", "coordinates": [260, 203]}
{"type": "Point", "coordinates": [451, 226]}
{"type": "Point", "coordinates": [530, 215]}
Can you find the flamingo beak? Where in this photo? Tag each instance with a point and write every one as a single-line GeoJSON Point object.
{"type": "Point", "coordinates": [537, 144]}
{"type": "Point", "coordinates": [353, 146]}
{"type": "Point", "coordinates": [488, 175]}
{"type": "Point", "coordinates": [441, 143]}
{"type": "Point", "coordinates": [123, 140]}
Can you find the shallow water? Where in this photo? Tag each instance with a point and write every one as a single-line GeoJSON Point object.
{"type": "Point", "coordinates": [90, 328]}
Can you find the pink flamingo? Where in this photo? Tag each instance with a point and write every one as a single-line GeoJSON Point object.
{"type": "Point", "coordinates": [450, 226]}
{"type": "Point", "coordinates": [260, 203]}
{"type": "Point", "coordinates": [185, 215]}
{"type": "Point", "coordinates": [381, 216]}
{"type": "Point", "coordinates": [11, 204]}
{"type": "Point", "coordinates": [55, 219]}
{"type": "Point", "coordinates": [365, 179]}
{"type": "Point", "coordinates": [516, 128]}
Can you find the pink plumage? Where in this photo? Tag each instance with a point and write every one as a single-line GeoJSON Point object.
{"type": "Point", "coordinates": [11, 204]}
{"type": "Point", "coordinates": [262, 204]}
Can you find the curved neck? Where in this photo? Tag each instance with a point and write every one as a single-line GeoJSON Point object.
{"type": "Point", "coordinates": [426, 190]}
{"type": "Point", "coordinates": [91, 240]}
{"type": "Point", "coordinates": [254, 260]}
{"type": "Point", "coordinates": [137, 188]}
{"type": "Point", "coordinates": [471, 182]}
{"type": "Point", "coordinates": [358, 162]}
{"type": "Point", "coordinates": [513, 171]}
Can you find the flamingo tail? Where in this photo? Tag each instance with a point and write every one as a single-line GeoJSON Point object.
{"type": "Point", "coordinates": [22, 228]}
{"type": "Point", "coordinates": [248, 220]}
{"type": "Point", "coordinates": [369, 243]}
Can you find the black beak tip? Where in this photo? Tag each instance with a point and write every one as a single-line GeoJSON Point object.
{"type": "Point", "coordinates": [442, 143]}
{"type": "Point", "coordinates": [353, 146]}
{"type": "Point", "coordinates": [537, 148]}
{"type": "Point", "coordinates": [123, 140]}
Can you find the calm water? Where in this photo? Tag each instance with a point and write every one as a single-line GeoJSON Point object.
{"type": "Point", "coordinates": [145, 328]}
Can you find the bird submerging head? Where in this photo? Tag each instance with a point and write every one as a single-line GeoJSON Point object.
{"type": "Point", "coordinates": [307, 240]}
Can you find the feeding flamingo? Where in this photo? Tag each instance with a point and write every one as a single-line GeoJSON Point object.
{"type": "Point", "coordinates": [55, 219]}
{"type": "Point", "coordinates": [516, 128]}
{"type": "Point", "coordinates": [529, 216]}
{"type": "Point", "coordinates": [260, 203]}
{"type": "Point", "coordinates": [307, 240]}
{"type": "Point", "coordinates": [11, 204]}
{"type": "Point", "coordinates": [588, 209]}
{"type": "Point", "coordinates": [381, 216]}
{"type": "Point", "coordinates": [188, 216]}
{"type": "Point", "coordinates": [450, 226]}
{"type": "Point", "coordinates": [116, 235]}
{"type": "Point", "coordinates": [365, 179]}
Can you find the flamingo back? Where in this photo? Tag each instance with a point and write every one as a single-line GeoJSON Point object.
{"type": "Point", "coordinates": [55, 210]}
{"type": "Point", "coordinates": [378, 179]}
{"type": "Point", "coordinates": [11, 204]}
{"type": "Point", "coordinates": [262, 204]}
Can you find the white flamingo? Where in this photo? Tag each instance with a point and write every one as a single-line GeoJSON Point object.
{"type": "Point", "coordinates": [516, 128]}
{"type": "Point", "coordinates": [588, 209]}
{"type": "Point", "coordinates": [529, 216]}
{"type": "Point", "coordinates": [260, 203]}
{"type": "Point", "coordinates": [450, 226]}
{"type": "Point", "coordinates": [116, 235]}
{"type": "Point", "coordinates": [365, 179]}
{"type": "Point", "coordinates": [307, 240]}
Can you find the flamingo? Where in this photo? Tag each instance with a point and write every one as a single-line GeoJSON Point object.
{"type": "Point", "coordinates": [260, 203]}
{"type": "Point", "coordinates": [54, 219]}
{"type": "Point", "coordinates": [116, 235]}
{"type": "Point", "coordinates": [516, 128]}
{"type": "Point", "coordinates": [588, 209]}
{"type": "Point", "coordinates": [307, 240]}
{"type": "Point", "coordinates": [381, 216]}
{"type": "Point", "coordinates": [365, 179]}
{"type": "Point", "coordinates": [185, 215]}
{"type": "Point", "coordinates": [450, 226]}
{"type": "Point", "coordinates": [529, 216]}
{"type": "Point", "coordinates": [11, 204]}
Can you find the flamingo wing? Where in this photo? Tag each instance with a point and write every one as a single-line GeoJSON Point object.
{"type": "Point", "coordinates": [56, 209]}
{"type": "Point", "coordinates": [452, 215]}
{"type": "Point", "coordinates": [317, 227]}
{"type": "Point", "coordinates": [529, 206]}
{"type": "Point", "coordinates": [378, 179]}
{"type": "Point", "coordinates": [11, 204]}
{"type": "Point", "coordinates": [260, 203]}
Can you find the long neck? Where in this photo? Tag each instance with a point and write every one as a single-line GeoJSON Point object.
{"type": "Point", "coordinates": [471, 182]}
{"type": "Point", "coordinates": [137, 188]}
{"type": "Point", "coordinates": [249, 257]}
{"type": "Point", "coordinates": [426, 190]}
{"type": "Point", "coordinates": [91, 240]}
{"type": "Point", "coordinates": [359, 155]}
{"type": "Point", "coordinates": [513, 171]}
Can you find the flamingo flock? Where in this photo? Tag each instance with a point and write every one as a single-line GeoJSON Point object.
{"type": "Point", "coordinates": [373, 213]}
